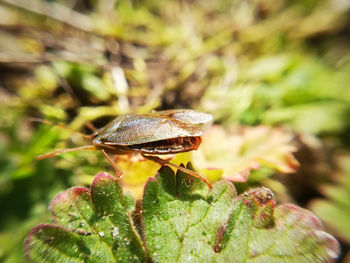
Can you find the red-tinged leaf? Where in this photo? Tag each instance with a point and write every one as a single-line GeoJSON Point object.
{"type": "Point", "coordinates": [238, 151]}
{"type": "Point", "coordinates": [93, 225]}
{"type": "Point", "coordinates": [185, 222]}
{"type": "Point", "coordinates": [181, 220]}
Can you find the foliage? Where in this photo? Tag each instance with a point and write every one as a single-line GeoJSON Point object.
{"type": "Point", "coordinates": [335, 210]}
{"type": "Point", "coordinates": [237, 151]}
{"type": "Point", "coordinates": [181, 221]}
{"type": "Point", "coordinates": [102, 217]}
{"type": "Point", "coordinates": [246, 62]}
{"type": "Point", "coordinates": [293, 89]}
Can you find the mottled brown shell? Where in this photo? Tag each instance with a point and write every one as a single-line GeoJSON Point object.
{"type": "Point", "coordinates": [132, 129]}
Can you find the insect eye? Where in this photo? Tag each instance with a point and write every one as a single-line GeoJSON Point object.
{"type": "Point", "coordinates": [98, 140]}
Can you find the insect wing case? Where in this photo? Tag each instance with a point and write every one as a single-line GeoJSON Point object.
{"type": "Point", "coordinates": [130, 129]}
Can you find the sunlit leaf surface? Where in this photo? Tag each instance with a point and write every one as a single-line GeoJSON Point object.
{"type": "Point", "coordinates": [180, 220]}
{"type": "Point", "coordinates": [90, 224]}
{"type": "Point", "coordinates": [237, 151]}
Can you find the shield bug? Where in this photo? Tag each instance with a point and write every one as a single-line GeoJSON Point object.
{"type": "Point", "coordinates": [158, 133]}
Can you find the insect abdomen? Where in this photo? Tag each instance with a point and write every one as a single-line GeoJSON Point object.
{"type": "Point", "coordinates": [175, 145]}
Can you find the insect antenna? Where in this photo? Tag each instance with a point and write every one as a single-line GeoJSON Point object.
{"type": "Point", "coordinates": [87, 136]}
{"type": "Point", "coordinates": [59, 151]}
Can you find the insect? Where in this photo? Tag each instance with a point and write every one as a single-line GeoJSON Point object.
{"type": "Point", "coordinates": [158, 133]}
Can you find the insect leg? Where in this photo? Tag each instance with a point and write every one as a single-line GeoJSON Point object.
{"type": "Point", "coordinates": [59, 151]}
{"type": "Point", "coordinates": [118, 171]}
{"type": "Point", "coordinates": [183, 169]}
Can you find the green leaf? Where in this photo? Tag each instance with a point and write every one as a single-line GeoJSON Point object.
{"type": "Point", "coordinates": [92, 225]}
{"type": "Point", "coordinates": [178, 210]}
{"type": "Point", "coordinates": [181, 220]}
{"type": "Point", "coordinates": [334, 209]}
{"type": "Point", "coordinates": [185, 222]}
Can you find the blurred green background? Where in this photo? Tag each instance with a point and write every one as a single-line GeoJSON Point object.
{"type": "Point", "coordinates": [277, 63]}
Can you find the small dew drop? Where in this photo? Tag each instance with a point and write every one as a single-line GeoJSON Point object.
{"type": "Point", "coordinates": [115, 231]}
{"type": "Point", "coordinates": [101, 234]}
{"type": "Point", "coordinates": [127, 241]}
